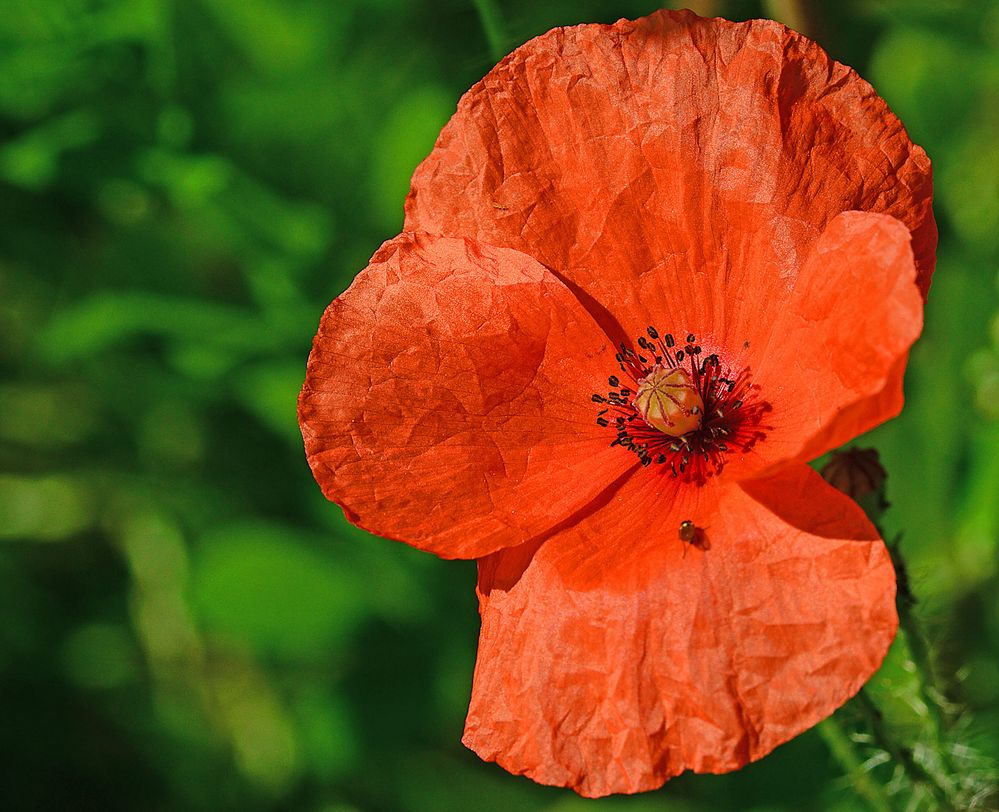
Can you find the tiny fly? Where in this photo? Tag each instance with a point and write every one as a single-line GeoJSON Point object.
{"type": "Point", "coordinates": [693, 535]}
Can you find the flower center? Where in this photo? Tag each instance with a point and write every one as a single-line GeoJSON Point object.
{"type": "Point", "coordinates": [680, 410]}
{"type": "Point", "coordinates": [668, 400]}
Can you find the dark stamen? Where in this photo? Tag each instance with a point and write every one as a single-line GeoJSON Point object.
{"type": "Point", "coordinates": [724, 420]}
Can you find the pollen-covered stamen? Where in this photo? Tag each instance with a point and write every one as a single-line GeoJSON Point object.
{"type": "Point", "coordinates": [684, 413]}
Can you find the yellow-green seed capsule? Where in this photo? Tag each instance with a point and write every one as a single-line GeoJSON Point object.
{"type": "Point", "coordinates": [668, 400]}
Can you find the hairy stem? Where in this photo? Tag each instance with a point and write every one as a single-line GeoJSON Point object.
{"type": "Point", "coordinates": [859, 474]}
{"type": "Point", "coordinates": [902, 755]}
{"type": "Point", "coordinates": [841, 746]}
{"type": "Point", "coordinates": [919, 650]}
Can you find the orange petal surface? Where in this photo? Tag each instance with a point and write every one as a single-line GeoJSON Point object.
{"type": "Point", "coordinates": [673, 170]}
{"type": "Point", "coordinates": [447, 400]}
{"type": "Point", "coordinates": [832, 365]}
{"type": "Point", "coordinates": [612, 657]}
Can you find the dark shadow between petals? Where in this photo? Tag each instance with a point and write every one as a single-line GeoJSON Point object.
{"type": "Point", "coordinates": [600, 314]}
{"type": "Point", "coordinates": [823, 513]}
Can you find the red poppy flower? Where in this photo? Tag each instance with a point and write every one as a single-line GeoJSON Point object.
{"type": "Point", "coordinates": [648, 271]}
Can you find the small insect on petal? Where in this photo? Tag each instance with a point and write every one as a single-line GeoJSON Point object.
{"type": "Point", "coordinates": [693, 535]}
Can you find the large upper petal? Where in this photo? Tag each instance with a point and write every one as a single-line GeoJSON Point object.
{"type": "Point", "coordinates": [611, 659]}
{"type": "Point", "coordinates": [614, 154]}
{"type": "Point", "coordinates": [447, 400]}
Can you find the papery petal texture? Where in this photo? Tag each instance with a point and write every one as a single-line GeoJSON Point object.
{"type": "Point", "coordinates": [447, 389]}
{"type": "Point", "coordinates": [611, 660]}
{"type": "Point", "coordinates": [840, 341]}
{"type": "Point", "coordinates": [609, 153]}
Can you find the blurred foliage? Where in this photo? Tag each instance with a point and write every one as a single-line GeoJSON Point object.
{"type": "Point", "coordinates": [187, 623]}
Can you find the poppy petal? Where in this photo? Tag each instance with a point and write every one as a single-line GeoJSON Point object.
{"type": "Point", "coordinates": [612, 658]}
{"type": "Point", "coordinates": [447, 402]}
{"type": "Point", "coordinates": [837, 351]}
{"type": "Point", "coordinates": [612, 153]}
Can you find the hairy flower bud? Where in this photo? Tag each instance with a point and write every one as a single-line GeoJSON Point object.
{"type": "Point", "coordinates": [856, 471]}
{"type": "Point", "coordinates": [859, 474]}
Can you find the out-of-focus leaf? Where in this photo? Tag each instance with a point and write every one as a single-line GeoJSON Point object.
{"type": "Point", "coordinates": [274, 36]}
{"type": "Point", "coordinates": [407, 136]}
{"type": "Point", "coordinates": [105, 319]}
{"type": "Point", "coordinates": [976, 541]}
{"type": "Point", "coordinates": [45, 508]}
{"type": "Point", "coordinates": [99, 656]}
{"type": "Point", "coordinates": [171, 434]}
{"type": "Point", "coordinates": [326, 732]}
{"type": "Point", "coordinates": [930, 80]}
{"type": "Point", "coordinates": [32, 160]}
{"type": "Point", "coordinates": [257, 724]}
{"type": "Point", "coordinates": [270, 391]}
{"type": "Point", "coordinates": [46, 415]}
{"type": "Point", "coordinates": [262, 585]}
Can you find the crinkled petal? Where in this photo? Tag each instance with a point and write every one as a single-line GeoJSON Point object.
{"type": "Point", "coordinates": [612, 658]}
{"type": "Point", "coordinates": [447, 401]}
{"type": "Point", "coordinates": [629, 156]}
{"type": "Point", "coordinates": [834, 363]}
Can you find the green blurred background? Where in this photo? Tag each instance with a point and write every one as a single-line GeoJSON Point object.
{"type": "Point", "coordinates": [185, 623]}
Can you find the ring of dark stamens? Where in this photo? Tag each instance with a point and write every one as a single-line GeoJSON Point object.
{"type": "Point", "coordinates": [732, 413]}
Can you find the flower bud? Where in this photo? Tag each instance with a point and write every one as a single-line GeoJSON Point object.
{"type": "Point", "coordinates": [858, 473]}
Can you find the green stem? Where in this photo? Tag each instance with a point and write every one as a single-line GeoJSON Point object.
{"type": "Point", "coordinates": [492, 24]}
{"type": "Point", "coordinates": [937, 774]}
{"type": "Point", "coordinates": [903, 755]}
{"type": "Point", "coordinates": [843, 750]}
{"type": "Point", "coordinates": [919, 650]}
